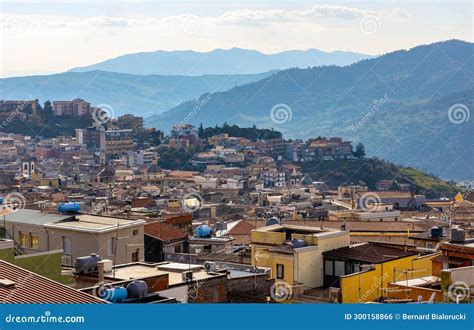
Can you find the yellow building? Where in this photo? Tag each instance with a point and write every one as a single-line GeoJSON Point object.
{"type": "Point", "coordinates": [363, 272]}
{"type": "Point", "coordinates": [294, 253]}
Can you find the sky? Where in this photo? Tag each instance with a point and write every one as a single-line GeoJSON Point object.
{"type": "Point", "coordinates": [38, 37]}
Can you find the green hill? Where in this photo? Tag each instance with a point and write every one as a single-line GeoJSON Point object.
{"type": "Point", "coordinates": [125, 93]}
{"type": "Point", "coordinates": [396, 104]}
{"type": "Point", "coordinates": [371, 170]}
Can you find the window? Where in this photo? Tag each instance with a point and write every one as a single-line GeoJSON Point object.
{"type": "Point", "coordinates": [67, 245]}
{"type": "Point", "coordinates": [328, 267]}
{"type": "Point", "coordinates": [339, 268]}
{"type": "Point", "coordinates": [356, 268]}
{"type": "Point", "coordinates": [34, 241]}
{"type": "Point", "coordinates": [280, 271]}
{"type": "Point", "coordinates": [110, 246]}
{"type": "Point", "coordinates": [135, 255]}
{"type": "Point", "coordinates": [23, 239]}
{"type": "Point", "coordinates": [135, 232]}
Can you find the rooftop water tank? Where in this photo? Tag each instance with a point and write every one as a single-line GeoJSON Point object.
{"type": "Point", "coordinates": [71, 207]}
{"type": "Point", "coordinates": [203, 231]}
{"type": "Point", "coordinates": [436, 232]}
{"type": "Point", "coordinates": [272, 221]}
{"type": "Point", "coordinates": [115, 294]}
{"type": "Point", "coordinates": [137, 289]}
{"type": "Point", "coordinates": [86, 265]}
{"type": "Point", "coordinates": [298, 243]}
{"type": "Point", "coordinates": [221, 225]}
{"type": "Point", "coordinates": [457, 235]}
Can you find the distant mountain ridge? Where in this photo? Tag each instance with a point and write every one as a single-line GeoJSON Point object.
{"type": "Point", "coordinates": [409, 123]}
{"type": "Point", "coordinates": [138, 94]}
{"type": "Point", "coordinates": [220, 61]}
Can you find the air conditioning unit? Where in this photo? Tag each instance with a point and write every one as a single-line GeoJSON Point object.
{"type": "Point", "coordinates": [187, 276]}
{"type": "Point", "coordinates": [210, 266]}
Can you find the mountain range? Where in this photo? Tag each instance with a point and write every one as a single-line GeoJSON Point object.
{"type": "Point", "coordinates": [404, 106]}
{"type": "Point", "coordinates": [220, 61]}
{"type": "Point", "coordinates": [125, 93]}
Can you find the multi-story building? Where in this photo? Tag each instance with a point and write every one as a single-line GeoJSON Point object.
{"type": "Point", "coordinates": [77, 235]}
{"type": "Point", "coordinates": [76, 107]}
{"type": "Point", "coordinates": [129, 121]}
{"type": "Point", "coordinates": [182, 130]}
{"type": "Point", "coordinates": [295, 253]}
{"type": "Point", "coordinates": [116, 142]}
{"type": "Point", "coordinates": [273, 178]}
{"type": "Point", "coordinates": [7, 148]}
{"type": "Point", "coordinates": [15, 105]}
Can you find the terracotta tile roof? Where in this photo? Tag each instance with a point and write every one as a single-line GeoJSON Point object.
{"type": "Point", "coordinates": [164, 231]}
{"type": "Point", "coordinates": [29, 288]}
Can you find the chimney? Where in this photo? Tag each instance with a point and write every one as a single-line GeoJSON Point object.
{"type": "Point", "coordinates": [100, 268]}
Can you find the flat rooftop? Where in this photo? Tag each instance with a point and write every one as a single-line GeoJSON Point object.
{"type": "Point", "coordinates": [93, 223]}
{"type": "Point", "coordinates": [307, 230]}
{"type": "Point", "coordinates": [142, 270]}
{"type": "Point", "coordinates": [34, 217]}
{"type": "Point", "coordinates": [422, 281]}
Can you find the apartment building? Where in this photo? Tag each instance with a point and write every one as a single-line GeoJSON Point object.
{"type": "Point", "coordinates": [295, 253]}
{"type": "Point", "coordinates": [77, 235]}
{"type": "Point", "coordinates": [76, 107]}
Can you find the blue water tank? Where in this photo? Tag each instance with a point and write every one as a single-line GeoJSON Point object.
{"type": "Point", "coordinates": [272, 221]}
{"type": "Point", "coordinates": [297, 243]}
{"type": "Point", "coordinates": [71, 207]}
{"type": "Point", "coordinates": [137, 289]}
{"type": "Point", "coordinates": [203, 231]}
{"type": "Point", "coordinates": [115, 294]}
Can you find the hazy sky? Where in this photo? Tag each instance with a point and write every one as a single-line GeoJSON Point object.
{"type": "Point", "coordinates": [46, 37]}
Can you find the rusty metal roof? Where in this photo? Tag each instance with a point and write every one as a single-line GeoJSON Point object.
{"type": "Point", "coordinates": [20, 286]}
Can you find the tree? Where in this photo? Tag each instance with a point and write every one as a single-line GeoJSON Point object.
{"type": "Point", "coordinates": [47, 110]}
{"type": "Point", "coordinates": [201, 131]}
{"type": "Point", "coordinates": [360, 151]}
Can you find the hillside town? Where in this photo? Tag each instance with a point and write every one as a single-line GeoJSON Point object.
{"type": "Point", "coordinates": [119, 213]}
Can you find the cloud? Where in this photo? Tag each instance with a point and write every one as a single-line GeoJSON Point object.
{"type": "Point", "coordinates": [241, 16]}
{"type": "Point", "coordinates": [317, 11]}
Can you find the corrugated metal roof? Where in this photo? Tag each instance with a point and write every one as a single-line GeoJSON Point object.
{"type": "Point", "coordinates": [30, 288]}
{"type": "Point", "coordinates": [370, 252]}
